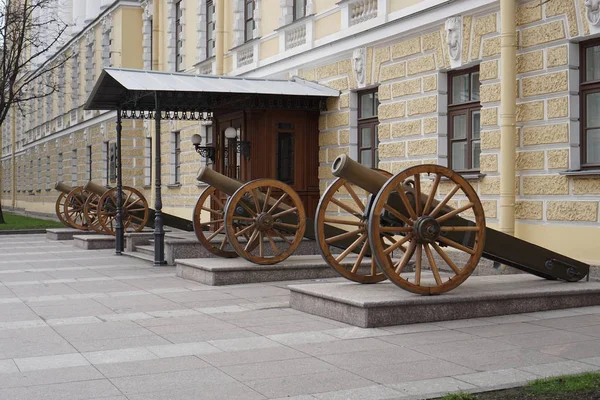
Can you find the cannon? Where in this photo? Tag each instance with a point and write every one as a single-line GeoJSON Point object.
{"type": "Point", "coordinates": [421, 213]}
{"type": "Point", "coordinates": [69, 206]}
{"type": "Point", "coordinates": [262, 220]}
{"type": "Point", "coordinates": [102, 207]}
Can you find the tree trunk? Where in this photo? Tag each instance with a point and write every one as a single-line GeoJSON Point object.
{"type": "Point", "coordinates": [1, 215]}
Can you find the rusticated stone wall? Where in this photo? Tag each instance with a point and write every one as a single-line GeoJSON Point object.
{"type": "Point", "coordinates": [411, 75]}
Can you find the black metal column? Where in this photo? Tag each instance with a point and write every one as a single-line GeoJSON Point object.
{"type": "Point", "coordinates": [119, 232]}
{"type": "Point", "coordinates": [159, 232]}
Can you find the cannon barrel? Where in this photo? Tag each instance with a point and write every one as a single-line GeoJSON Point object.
{"type": "Point", "coordinates": [223, 183]}
{"type": "Point", "coordinates": [499, 247]}
{"type": "Point", "coordinates": [95, 188]}
{"type": "Point", "coordinates": [63, 187]}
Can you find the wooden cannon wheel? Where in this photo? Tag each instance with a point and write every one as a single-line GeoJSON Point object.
{"type": "Point", "coordinates": [354, 220]}
{"type": "Point", "coordinates": [73, 208]}
{"type": "Point", "coordinates": [211, 202]}
{"type": "Point", "coordinates": [90, 210]}
{"type": "Point", "coordinates": [255, 212]}
{"type": "Point", "coordinates": [59, 208]}
{"type": "Point", "coordinates": [425, 230]}
{"type": "Point", "coordinates": [135, 210]}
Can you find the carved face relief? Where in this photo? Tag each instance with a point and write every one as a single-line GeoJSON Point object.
{"type": "Point", "coordinates": [593, 11]}
{"type": "Point", "coordinates": [358, 63]}
{"type": "Point", "coordinates": [453, 34]}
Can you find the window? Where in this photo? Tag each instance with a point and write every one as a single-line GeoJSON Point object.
{"type": "Point", "coordinates": [106, 161]}
{"type": "Point", "coordinates": [47, 172]}
{"type": "Point", "coordinates": [299, 9]}
{"type": "Point", "coordinates": [89, 163]}
{"type": "Point", "coordinates": [285, 154]}
{"type": "Point", "coordinates": [176, 157]}
{"type": "Point", "coordinates": [39, 174]}
{"type": "Point", "coordinates": [74, 167]}
{"type": "Point", "coordinates": [368, 103]}
{"type": "Point", "coordinates": [590, 104]}
{"type": "Point", "coordinates": [148, 163]}
{"type": "Point", "coordinates": [248, 20]}
{"type": "Point", "coordinates": [112, 163]}
{"type": "Point", "coordinates": [60, 167]}
{"type": "Point", "coordinates": [178, 36]}
{"type": "Point", "coordinates": [210, 28]}
{"type": "Point", "coordinates": [464, 120]}
{"type": "Point", "coordinates": [31, 176]}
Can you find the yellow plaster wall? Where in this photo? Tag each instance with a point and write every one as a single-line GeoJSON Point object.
{"type": "Point", "coordinates": [132, 34]}
{"type": "Point", "coordinates": [579, 242]}
{"type": "Point", "coordinates": [328, 25]}
{"type": "Point", "coordinates": [396, 5]}
{"type": "Point", "coordinates": [118, 38]}
{"type": "Point", "coordinates": [322, 5]}
{"type": "Point", "coordinates": [269, 48]}
{"type": "Point", "coordinates": [269, 18]}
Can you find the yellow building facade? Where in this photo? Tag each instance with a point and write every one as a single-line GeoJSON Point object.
{"type": "Point", "coordinates": [419, 82]}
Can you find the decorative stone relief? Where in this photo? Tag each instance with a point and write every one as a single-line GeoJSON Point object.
{"type": "Point", "coordinates": [454, 40]}
{"type": "Point", "coordinates": [592, 11]}
{"type": "Point", "coordinates": [359, 59]}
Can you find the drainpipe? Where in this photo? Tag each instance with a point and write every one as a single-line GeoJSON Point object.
{"type": "Point", "coordinates": [508, 150]}
{"type": "Point", "coordinates": [220, 36]}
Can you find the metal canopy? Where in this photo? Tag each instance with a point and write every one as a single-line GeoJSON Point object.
{"type": "Point", "coordinates": [136, 90]}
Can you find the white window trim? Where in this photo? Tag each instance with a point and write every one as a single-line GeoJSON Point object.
{"type": "Point", "coordinates": [107, 26]}
{"type": "Point", "coordinates": [147, 16]}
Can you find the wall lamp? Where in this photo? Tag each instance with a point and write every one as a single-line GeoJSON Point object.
{"type": "Point", "coordinates": [241, 146]}
{"type": "Point", "coordinates": [204, 151]}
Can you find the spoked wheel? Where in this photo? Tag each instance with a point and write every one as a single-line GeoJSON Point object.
{"type": "Point", "coordinates": [422, 228]}
{"type": "Point", "coordinates": [212, 204]}
{"type": "Point", "coordinates": [74, 213]}
{"type": "Point", "coordinates": [90, 210]}
{"type": "Point", "coordinates": [59, 208]}
{"type": "Point", "coordinates": [342, 207]}
{"type": "Point", "coordinates": [135, 210]}
{"type": "Point", "coordinates": [265, 221]}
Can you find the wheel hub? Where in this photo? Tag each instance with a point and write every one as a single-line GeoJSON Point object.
{"type": "Point", "coordinates": [264, 221]}
{"type": "Point", "coordinates": [426, 229]}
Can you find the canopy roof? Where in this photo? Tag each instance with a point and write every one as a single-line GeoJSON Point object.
{"type": "Point", "coordinates": [135, 90]}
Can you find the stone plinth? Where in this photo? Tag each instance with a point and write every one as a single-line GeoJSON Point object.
{"type": "Point", "coordinates": [386, 304]}
{"type": "Point", "coordinates": [94, 242]}
{"type": "Point", "coordinates": [66, 233]}
{"type": "Point", "coordinates": [231, 271]}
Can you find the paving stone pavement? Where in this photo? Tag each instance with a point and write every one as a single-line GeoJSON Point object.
{"type": "Point", "coordinates": [81, 324]}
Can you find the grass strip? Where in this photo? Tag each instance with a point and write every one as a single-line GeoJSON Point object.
{"type": "Point", "coordinates": [20, 222]}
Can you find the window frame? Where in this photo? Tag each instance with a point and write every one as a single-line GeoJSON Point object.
{"type": "Point", "coordinates": [371, 122]}
{"type": "Point", "coordinates": [177, 158]}
{"type": "Point", "coordinates": [248, 19]}
{"type": "Point", "coordinates": [586, 88]}
{"type": "Point", "coordinates": [295, 10]}
{"type": "Point", "coordinates": [466, 108]}
{"type": "Point", "coordinates": [210, 41]}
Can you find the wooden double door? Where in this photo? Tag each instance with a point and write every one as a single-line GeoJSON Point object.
{"type": "Point", "coordinates": [282, 145]}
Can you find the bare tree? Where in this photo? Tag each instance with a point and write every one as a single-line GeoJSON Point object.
{"type": "Point", "coordinates": [31, 31]}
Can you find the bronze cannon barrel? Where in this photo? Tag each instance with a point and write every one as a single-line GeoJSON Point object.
{"type": "Point", "coordinates": [95, 188]}
{"type": "Point", "coordinates": [223, 183]}
{"type": "Point", "coordinates": [63, 187]}
{"type": "Point", "coordinates": [364, 177]}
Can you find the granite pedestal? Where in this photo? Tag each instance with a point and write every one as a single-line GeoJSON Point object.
{"type": "Point", "coordinates": [232, 271]}
{"type": "Point", "coordinates": [386, 304]}
{"type": "Point", "coordinates": [94, 242]}
{"type": "Point", "coordinates": [66, 233]}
